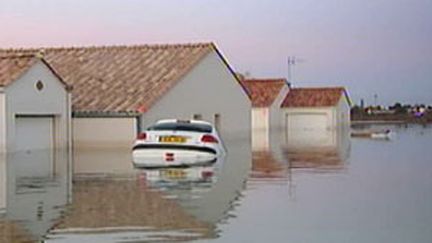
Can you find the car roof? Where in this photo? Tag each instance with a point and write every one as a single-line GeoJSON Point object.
{"type": "Point", "coordinates": [183, 121]}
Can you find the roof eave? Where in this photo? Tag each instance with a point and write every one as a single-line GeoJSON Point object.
{"type": "Point", "coordinates": [231, 69]}
{"type": "Point", "coordinates": [307, 107]}
{"type": "Point", "coordinates": [347, 97]}
{"type": "Point", "coordinates": [68, 87]}
{"type": "Point", "coordinates": [105, 114]}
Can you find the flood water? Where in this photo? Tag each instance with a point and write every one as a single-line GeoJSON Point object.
{"type": "Point", "coordinates": [299, 188]}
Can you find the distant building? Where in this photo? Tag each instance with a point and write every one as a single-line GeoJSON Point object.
{"type": "Point", "coordinates": [119, 90]}
{"type": "Point", "coordinates": [266, 96]}
{"type": "Point", "coordinates": [316, 112]}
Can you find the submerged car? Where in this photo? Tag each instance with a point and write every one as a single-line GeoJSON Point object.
{"type": "Point", "coordinates": [170, 143]}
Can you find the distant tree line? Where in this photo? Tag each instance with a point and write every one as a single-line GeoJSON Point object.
{"type": "Point", "coordinates": [398, 111]}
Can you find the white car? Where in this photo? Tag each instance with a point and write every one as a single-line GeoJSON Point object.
{"type": "Point", "coordinates": [173, 142]}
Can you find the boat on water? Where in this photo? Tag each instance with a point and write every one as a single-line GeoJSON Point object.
{"type": "Point", "coordinates": [381, 134]}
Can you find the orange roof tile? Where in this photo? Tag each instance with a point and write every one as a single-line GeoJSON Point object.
{"type": "Point", "coordinates": [12, 67]}
{"type": "Point", "coordinates": [313, 97]}
{"type": "Point", "coordinates": [263, 92]}
{"type": "Point", "coordinates": [120, 78]}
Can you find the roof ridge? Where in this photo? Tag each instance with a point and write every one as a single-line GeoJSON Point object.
{"type": "Point", "coordinates": [265, 80]}
{"type": "Point", "coordinates": [119, 46]}
{"type": "Point", "coordinates": [318, 88]}
{"type": "Point", "coordinates": [18, 55]}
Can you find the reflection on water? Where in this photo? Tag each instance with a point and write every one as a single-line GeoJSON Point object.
{"type": "Point", "coordinates": [303, 187]}
{"type": "Point", "coordinates": [321, 150]}
{"type": "Point", "coordinates": [130, 205]}
{"type": "Point", "coordinates": [364, 191]}
{"type": "Point", "coordinates": [35, 193]}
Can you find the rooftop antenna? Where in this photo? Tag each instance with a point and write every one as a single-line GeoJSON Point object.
{"type": "Point", "coordinates": [291, 61]}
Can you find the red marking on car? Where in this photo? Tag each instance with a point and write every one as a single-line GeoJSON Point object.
{"type": "Point", "coordinates": [207, 174]}
{"type": "Point", "coordinates": [169, 157]}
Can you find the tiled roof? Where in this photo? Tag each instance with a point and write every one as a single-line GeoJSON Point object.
{"type": "Point", "coordinates": [263, 92]}
{"type": "Point", "coordinates": [313, 97]}
{"type": "Point", "coordinates": [120, 78]}
{"type": "Point", "coordinates": [12, 67]}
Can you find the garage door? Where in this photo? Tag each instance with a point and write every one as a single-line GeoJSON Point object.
{"type": "Point", "coordinates": [307, 122]}
{"type": "Point", "coordinates": [309, 129]}
{"type": "Point", "coordinates": [34, 142]}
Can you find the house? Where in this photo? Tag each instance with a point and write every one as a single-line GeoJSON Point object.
{"type": "Point", "coordinates": [266, 97]}
{"type": "Point", "coordinates": [34, 105]}
{"type": "Point", "coordinates": [34, 113]}
{"type": "Point", "coordinates": [119, 90]}
{"type": "Point", "coordinates": [311, 114]}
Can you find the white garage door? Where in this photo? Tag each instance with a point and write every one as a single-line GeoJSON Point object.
{"type": "Point", "coordinates": [34, 142]}
{"type": "Point", "coordinates": [308, 121]}
{"type": "Point", "coordinates": [310, 129]}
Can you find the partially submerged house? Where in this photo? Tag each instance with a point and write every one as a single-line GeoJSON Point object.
{"type": "Point", "coordinates": [311, 114]}
{"type": "Point", "coordinates": [34, 108]}
{"type": "Point", "coordinates": [34, 105]}
{"type": "Point", "coordinates": [119, 90]}
{"type": "Point", "coordinates": [266, 96]}
{"type": "Point", "coordinates": [34, 114]}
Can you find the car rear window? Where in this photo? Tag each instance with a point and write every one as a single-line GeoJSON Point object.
{"type": "Point", "coordinates": [189, 127]}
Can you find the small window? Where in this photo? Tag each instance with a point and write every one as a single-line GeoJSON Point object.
{"type": "Point", "coordinates": [39, 85]}
{"type": "Point", "coordinates": [217, 121]}
{"type": "Point", "coordinates": [197, 117]}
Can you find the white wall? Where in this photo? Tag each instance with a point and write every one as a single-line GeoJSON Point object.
{"type": "Point", "coordinates": [276, 113]}
{"type": "Point", "coordinates": [22, 98]}
{"type": "Point", "coordinates": [277, 121]}
{"type": "Point", "coordinates": [343, 112]}
{"type": "Point", "coordinates": [260, 129]}
{"type": "Point", "coordinates": [2, 123]}
{"type": "Point", "coordinates": [3, 181]}
{"type": "Point", "coordinates": [209, 89]}
{"type": "Point", "coordinates": [103, 132]}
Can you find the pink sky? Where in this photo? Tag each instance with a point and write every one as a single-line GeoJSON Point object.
{"type": "Point", "coordinates": [380, 47]}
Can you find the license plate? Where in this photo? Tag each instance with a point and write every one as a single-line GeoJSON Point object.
{"type": "Point", "coordinates": [172, 139]}
{"type": "Point", "coordinates": [173, 174]}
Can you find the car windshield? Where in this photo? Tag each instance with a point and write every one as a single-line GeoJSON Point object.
{"type": "Point", "coordinates": [189, 127]}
